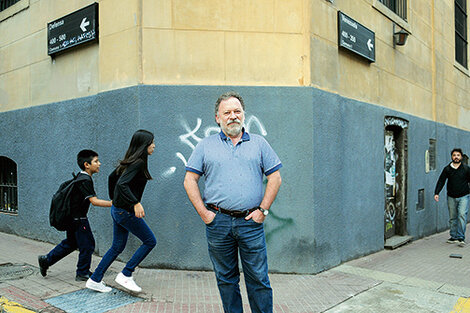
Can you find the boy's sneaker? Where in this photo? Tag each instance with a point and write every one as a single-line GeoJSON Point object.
{"type": "Point", "coordinates": [452, 240]}
{"type": "Point", "coordinates": [43, 264]}
{"type": "Point", "coordinates": [101, 286]}
{"type": "Point", "coordinates": [127, 282]}
{"type": "Point", "coordinates": [85, 277]}
{"type": "Point", "coordinates": [461, 243]}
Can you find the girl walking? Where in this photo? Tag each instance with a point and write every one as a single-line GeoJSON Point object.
{"type": "Point", "coordinates": [126, 185]}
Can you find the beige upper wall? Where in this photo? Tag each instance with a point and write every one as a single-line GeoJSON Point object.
{"type": "Point", "coordinates": [239, 42]}
{"type": "Point", "coordinates": [233, 42]}
{"type": "Point", "coordinates": [421, 78]}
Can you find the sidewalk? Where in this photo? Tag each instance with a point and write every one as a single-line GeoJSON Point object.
{"type": "Point", "coordinates": [418, 277]}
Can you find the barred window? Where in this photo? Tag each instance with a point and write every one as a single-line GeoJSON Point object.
{"type": "Point", "coordinates": [461, 32]}
{"type": "Point", "coordinates": [432, 154]}
{"type": "Point", "coordinates": [5, 4]}
{"type": "Point", "coordinates": [8, 186]}
{"type": "Point", "coordinates": [397, 6]}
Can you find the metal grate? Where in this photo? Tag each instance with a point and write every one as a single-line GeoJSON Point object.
{"type": "Point", "coordinates": [8, 186]}
{"type": "Point", "coordinates": [432, 155]}
{"type": "Point", "coordinates": [9, 271]}
{"type": "Point", "coordinates": [397, 6]}
{"type": "Point", "coordinates": [5, 4]}
{"type": "Point", "coordinates": [89, 301]}
{"type": "Point", "coordinates": [420, 204]}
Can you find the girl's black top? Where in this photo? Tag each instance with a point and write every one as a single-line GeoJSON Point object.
{"type": "Point", "coordinates": [126, 190]}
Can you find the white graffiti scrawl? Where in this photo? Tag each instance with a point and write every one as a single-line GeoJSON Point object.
{"type": "Point", "coordinates": [191, 139]}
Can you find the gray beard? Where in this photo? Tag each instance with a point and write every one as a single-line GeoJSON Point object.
{"type": "Point", "coordinates": [234, 130]}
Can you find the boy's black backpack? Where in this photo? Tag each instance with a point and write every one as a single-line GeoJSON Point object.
{"type": "Point", "coordinates": [60, 214]}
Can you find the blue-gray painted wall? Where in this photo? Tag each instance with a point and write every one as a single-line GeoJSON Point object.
{"type": "Point", "coordinates": [331, 205]}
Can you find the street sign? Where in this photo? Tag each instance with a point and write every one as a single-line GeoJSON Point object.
{"type": "Point", "coordinates": [356, 37]}
{"type": "Point", "coordinates": [73, 29]}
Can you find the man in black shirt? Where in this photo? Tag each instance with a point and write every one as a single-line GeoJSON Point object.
{"type": "Point", "coordinates": [79, 235]}
{"type": "Point", "coordinates": [457, 175]}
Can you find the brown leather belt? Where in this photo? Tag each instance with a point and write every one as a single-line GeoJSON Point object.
{"type": "Point", "coordinates": [233, 213]}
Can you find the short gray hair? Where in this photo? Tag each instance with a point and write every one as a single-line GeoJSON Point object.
{"type": "Point", "coordinates": [228, 95]}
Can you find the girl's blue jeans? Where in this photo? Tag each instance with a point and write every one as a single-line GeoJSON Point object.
{"type": "Point", "coordinates": [123, 223]}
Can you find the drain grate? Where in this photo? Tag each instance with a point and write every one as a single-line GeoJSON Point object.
{"type": "Point", "coordinates": [9, 271]}
{"type": "Point", "coordinates": [89, 301]}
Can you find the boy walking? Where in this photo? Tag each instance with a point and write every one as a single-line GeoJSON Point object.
{"type": "Point", "coordinates": [79, 235]}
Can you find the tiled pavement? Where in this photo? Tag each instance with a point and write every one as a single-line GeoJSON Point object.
{"type": "Point", "coordinates": [414, 278]}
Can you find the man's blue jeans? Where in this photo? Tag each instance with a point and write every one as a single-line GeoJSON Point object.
{"type": "Point", "coordinates": [123, 223]}
{"type": "Point", "coordinates": [226, 237]}
{"type": "Point", "coordinates": [458, 209]}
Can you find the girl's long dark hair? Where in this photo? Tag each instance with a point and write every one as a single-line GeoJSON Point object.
{"type": "Point", "coordinates": [137, 151]}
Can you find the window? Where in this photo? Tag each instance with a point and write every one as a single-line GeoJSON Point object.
{"type": "Point", "coordinates": [432, 154]}
{"type": "Point", "coordinates": [461, 32]}
{"type": "Point", "coordinates": [420, 204]}
{"type": "Point", "coordinates": [5, 4]}
{"type": "Point", "coordinates": [8, 186]}
{"type": "Point", "coordinates": [397, 6]}
{"type": "Point", "coordinates": [9, 8]}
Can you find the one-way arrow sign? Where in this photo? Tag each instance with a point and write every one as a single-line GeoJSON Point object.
{"type": "Point", "coordinates": [84, 24]}
{"type": "Point", "coordinates": [74, 29]}
{"type": "Point", "coordinates": [356, 37]}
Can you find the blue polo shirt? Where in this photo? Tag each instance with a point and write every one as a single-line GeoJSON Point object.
{"type": "Point", "coordinates": [233, 174]}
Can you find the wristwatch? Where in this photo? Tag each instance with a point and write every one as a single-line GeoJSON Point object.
{"type": "Point", "coordinates": [265, 212]}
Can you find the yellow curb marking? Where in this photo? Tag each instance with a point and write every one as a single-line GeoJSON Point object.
{"type": "Point", "coordinates": [8, 306]}
{"type": "Point", "coordinates": [462, 306]}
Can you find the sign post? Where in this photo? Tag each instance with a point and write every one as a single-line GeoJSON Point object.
{"type": "Point", "coordinates": [356, 37]}
{"type": "Point", "coordinates": [73, 29]}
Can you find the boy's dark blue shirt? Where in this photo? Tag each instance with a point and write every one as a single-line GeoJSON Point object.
{"type": "Point", "coordinates": [81, 193]}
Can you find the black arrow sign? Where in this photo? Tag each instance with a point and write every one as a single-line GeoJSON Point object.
{"type": "Point", "coordinates": [73, 29]}
{"type": "Point", "coordinates": [356, 37]}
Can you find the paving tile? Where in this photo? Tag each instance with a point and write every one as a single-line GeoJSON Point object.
{"type": "Point", "coordinates": [391, 297]}
{"type": "Point", "coordinates": [24, 298]}
{"type": "Point", "coordinates": [423, 265]}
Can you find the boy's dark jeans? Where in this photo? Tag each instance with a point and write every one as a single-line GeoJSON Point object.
{"type": "Point", "coordinates": [81, 237]}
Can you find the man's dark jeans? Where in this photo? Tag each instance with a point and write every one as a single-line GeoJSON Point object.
{"type": "Point", "coordinates": [227, 236]}
{"type": "Point", "coordinates": [79, 236]}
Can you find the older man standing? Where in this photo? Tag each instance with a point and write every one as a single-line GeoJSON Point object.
{"type": "Point", "coordinates": [235, 205]}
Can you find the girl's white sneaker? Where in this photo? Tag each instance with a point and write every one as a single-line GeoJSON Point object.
{"type": "Point", "coordinates": [127, 282]}
{"type": "Point", "coordinates": [101, 286]}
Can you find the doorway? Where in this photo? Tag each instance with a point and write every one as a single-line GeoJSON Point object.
{"type": "Point", "coordinates": [395, 176]}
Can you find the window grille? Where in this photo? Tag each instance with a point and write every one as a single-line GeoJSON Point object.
{"type": "Point", "coordinates": [8, 186]}
{"type": "Point", "coordinates": [432, 154]}
{"type": "Point", "coordinates": [397, 6]}
{"type": "Point", "coordinates": [420, 204]}
{"type": "Point", "coordinates": [461, 32]}
{"type": "Point", "coordinates": [5, 4]}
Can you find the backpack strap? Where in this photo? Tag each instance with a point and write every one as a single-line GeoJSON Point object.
{"type": "Point", "coordinates": [80, 177]}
